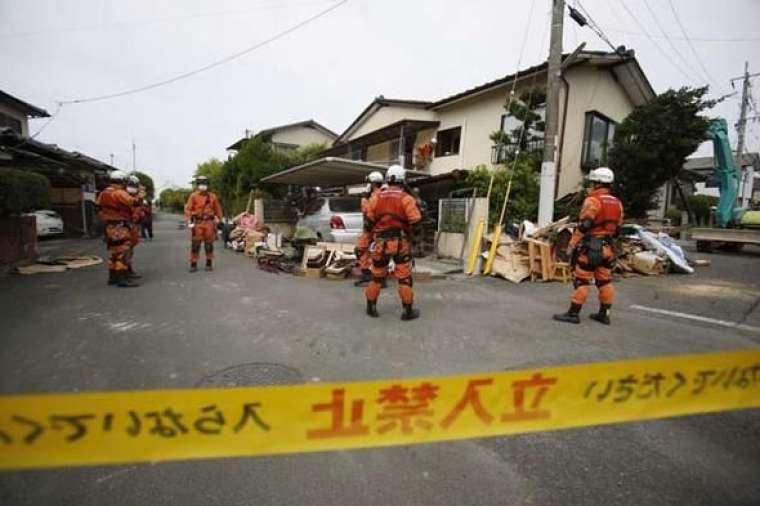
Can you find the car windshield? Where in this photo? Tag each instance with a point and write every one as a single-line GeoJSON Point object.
{"type": "Point", "coordinates": [345, 205]}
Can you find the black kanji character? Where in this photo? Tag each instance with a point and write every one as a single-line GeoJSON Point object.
{"type": "Point", "coordinates": [589, 388]}
{"type": "Point", "coordinates": [215, 422]}
{"type": "Point", "coordinates": [38, 429]}
{"type": "Point", "coordinates": [653, 381]}
{"type": "Point", "coordinates": [134, 429]}
{"type": "Point", "coordinates": [75, 421]}
{"type": "Point", "coordinates": [107, 422]}
{"type": "Point", "coordinates": [5, 438]}
{"type": "Point", "coordinates": [718, 379]}
{"type": "Point", "coordinates": [249, 411]}
{"type": "Point", "coordinates": [625, 388]}
{"type": "Point", "coordinates": [165, 430]}
{"type": "Point", "coordinates": [606, 392]}
{"type": "Point", "coordinates": [743, 381]}
{"type": "Point", "coordinates": [681, 382]}
{"type": "Point", "coordinates": [702, 380]}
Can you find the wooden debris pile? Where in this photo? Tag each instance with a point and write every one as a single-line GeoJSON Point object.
{"type": "Point", "coordinates": [538, 253]}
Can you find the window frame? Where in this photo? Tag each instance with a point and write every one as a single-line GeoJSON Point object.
{"type": "Point", "coordinates": [586, 163]}
{"type": "Point", "coordinates": [439, 151]}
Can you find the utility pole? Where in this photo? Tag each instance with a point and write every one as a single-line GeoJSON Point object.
{"type": "Point", "coordinates": [741, 129]}
{"type": "Point", "coordinates": [111, 155]}
{"type": "Point", "coordinates": [548, 167]}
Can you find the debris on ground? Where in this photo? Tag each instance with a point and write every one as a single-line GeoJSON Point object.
{"type": "Point", "coordinates": [59, 264]}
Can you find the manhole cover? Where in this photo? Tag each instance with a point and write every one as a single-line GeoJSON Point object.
{"type": "Point", "coordinates": [258, 374]}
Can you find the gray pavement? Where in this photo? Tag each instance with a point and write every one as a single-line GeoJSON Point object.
{"type": "Point", "coordinates": [69, 332]}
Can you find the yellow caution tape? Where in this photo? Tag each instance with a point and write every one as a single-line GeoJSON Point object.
{"type": "Point", "coordinates": [38, 431]}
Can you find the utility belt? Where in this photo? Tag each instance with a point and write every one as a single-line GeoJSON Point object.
{"type": "Point", "coordinates": [394, 233]}
{"type": "Point", "coordinates": [203, 217]}
{"type": "Point", "coordinates": [593, 248]}
{"type": "Point", "coordinates": [122, 223]}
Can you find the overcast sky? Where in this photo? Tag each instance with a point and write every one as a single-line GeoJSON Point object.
{"type": "Point", "coordinates": [329, 70]}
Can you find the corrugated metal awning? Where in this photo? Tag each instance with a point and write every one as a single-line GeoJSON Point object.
{"type": "Point", "coordinates": [329, 172]}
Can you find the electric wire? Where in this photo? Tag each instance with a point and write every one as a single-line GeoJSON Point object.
{"type": "Point", "coordinates": [693, 49]}
{"type": "Point", "coordinates": [211, 65]}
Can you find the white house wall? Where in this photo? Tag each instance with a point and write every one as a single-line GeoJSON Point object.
{"type": "Point", "coordinates": [13, 113]}
{"type": "Point", "coordinates": [389, 114]}
{"type": "Point", "coordinates": [591, 89]}
{"type": "Point", "coordinates": [301, 136]}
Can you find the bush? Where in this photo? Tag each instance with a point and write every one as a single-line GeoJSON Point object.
{"type": "Point", "coordinates": [523, 197]}
{"type": "Point", "coordinates": [700, 205]}
{"type": "Point", "coordinates": [173, 200]}
{"type": "Point", "coordinates": [22, 191]}
{"type": "Point", "coordinates": [674, 215]}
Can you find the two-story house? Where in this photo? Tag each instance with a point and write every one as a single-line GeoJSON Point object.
{"type": "Point", "coordinates": [290, 137]}
{"type": "Point", "coordinates": [598, 91]}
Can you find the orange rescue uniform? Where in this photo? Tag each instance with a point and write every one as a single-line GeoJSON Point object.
{"type": "Point", "coordinates": [115, 207]}
{"type": "Point", "coordinates": [393, 212]}
{"type": "Point", "coordinates": [365, 239]}
{"type": "Point", "coordinates": [605, 211]}
{"type": "Point", "coordinates": [203, 211]}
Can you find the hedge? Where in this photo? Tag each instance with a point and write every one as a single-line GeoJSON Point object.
{"type": "Point", "coordinates": [22, 191]}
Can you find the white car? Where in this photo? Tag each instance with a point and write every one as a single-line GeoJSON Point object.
{"type": "Point", "coordinates": [48, 222]}
{"type": "Point", "coordinates": [335, 219]}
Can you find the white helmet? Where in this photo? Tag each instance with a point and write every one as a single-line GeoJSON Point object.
{"type": "Point", "coordinates": [375, 177]}
{"type": "Point", "coordinates": [602, 175]}
{"type": "Point", "coordinates": [133, 180]}
{"type": "Point", "coordinates": [118, 176]}
{"type": "Point", "coordinates": [395, 174]}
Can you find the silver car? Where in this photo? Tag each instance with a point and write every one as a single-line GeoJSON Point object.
{"type": "Point", "coordinates": [334, 219]}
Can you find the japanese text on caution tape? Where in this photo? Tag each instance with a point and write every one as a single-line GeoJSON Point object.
{"type": "Point", "coordinates": [39, 431]}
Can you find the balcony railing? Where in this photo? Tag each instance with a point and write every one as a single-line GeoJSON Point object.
{"type": "Point", "coordinates": [503, 152]}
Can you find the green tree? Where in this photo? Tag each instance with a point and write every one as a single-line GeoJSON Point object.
{"type": "Point", "coordinates": [652, 143]}
{"type": "Point", "coordinates": [173, 199]}
{"type": "Point", "coordinates": [147, 182]}
{"type": "Point", "coordinates": [21, 191]}
{"type": "Point", "coordinates": [530, 124]}
{"type": "Point", "coordinates": [523, 196]}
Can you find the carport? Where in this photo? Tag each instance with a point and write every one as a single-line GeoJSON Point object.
{"type": "Point", "coordinates": [331, 172]}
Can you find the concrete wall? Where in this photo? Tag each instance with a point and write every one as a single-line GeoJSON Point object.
{"type": "Point", "coordinates": [591, 89]}
{"type": "Point", "coordinates": [301, 136]}
{"type": "Point", "coordinates": [19, 116]}
{"type": "Point", "coordinates": [387, 115]}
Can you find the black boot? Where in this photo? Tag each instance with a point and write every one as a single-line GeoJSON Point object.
{"type": "Point", "coordinates": [112, 277]}
{"type": "Point", "coordinates": [209, 265]}
{"type": "Point", "coordinates": [193, 267]}
{"type": "Point", "coordinates": [124, 281]}
{"type": "Point", "coordinates": [364, 280]}
{"type": "Point", "coordinates": [410, 313]}
{"type": "Point", "coordinates": [571, 316]}
{"type": "Point", "coordinates": [603, 316]}
{"type": "Point", "coordinates": [132, 274]}
{"type": "Point", "coordinates": [372, 309]}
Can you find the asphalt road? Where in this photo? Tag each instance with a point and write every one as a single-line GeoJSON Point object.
{"type": "Point", "coordinates": [70, 332]}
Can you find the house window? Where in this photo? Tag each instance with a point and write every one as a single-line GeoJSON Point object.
{"type": "Point", "coordinates": [448, 142]}
{"type": "Point", "coordinates": [597, 138]}
{"type": "Point", "coordinates": [358, 153]}
{"type": "Point", "coordinates": [10, 122]}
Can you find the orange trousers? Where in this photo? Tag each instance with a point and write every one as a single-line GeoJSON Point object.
{"type": "Point", "coordinates": [118, 241]}
{"type": "Point", "coordinates": [362, 251]}
{"type": "Point", "coordinates": [601, 274]}
{"type": "Point", "coordinates": [203, 232]}
{"type": "Point", "coordinates": [381, 252]}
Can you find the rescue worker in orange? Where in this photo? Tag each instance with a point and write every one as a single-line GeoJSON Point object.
{"type": "Point", "coordinates": [203, 213]}
{"type": "Point", "coordinates": [593, 253]}
{"type": "Point", "coordinates": [392, 213]}
{"type": "Point", "coordinates": [375, 182]}
{"type": "Point", "coordinates": [138, 214]}
{"type": "Point", "coordinates": [115, 208]}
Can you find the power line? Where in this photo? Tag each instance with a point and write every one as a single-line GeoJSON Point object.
{"type": "Point", "coordinates": [655, 44]}
{"type": "Point", "coordinates": [668, 39]}
{"type": "Point", "coordinates": [693, 39]}
{"type": "Point", "coordinates": [693, 50]}
{"type": "Point", "coordinates": [209, 66]}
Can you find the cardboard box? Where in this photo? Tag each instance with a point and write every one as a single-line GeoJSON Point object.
{"type": "Point", "coordinates": [310, 272]}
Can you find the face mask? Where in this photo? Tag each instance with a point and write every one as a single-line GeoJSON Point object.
{"type": "Point", "coordinates": [202, 187]}
{"type": "Point", "coordinates": [131, 189]}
